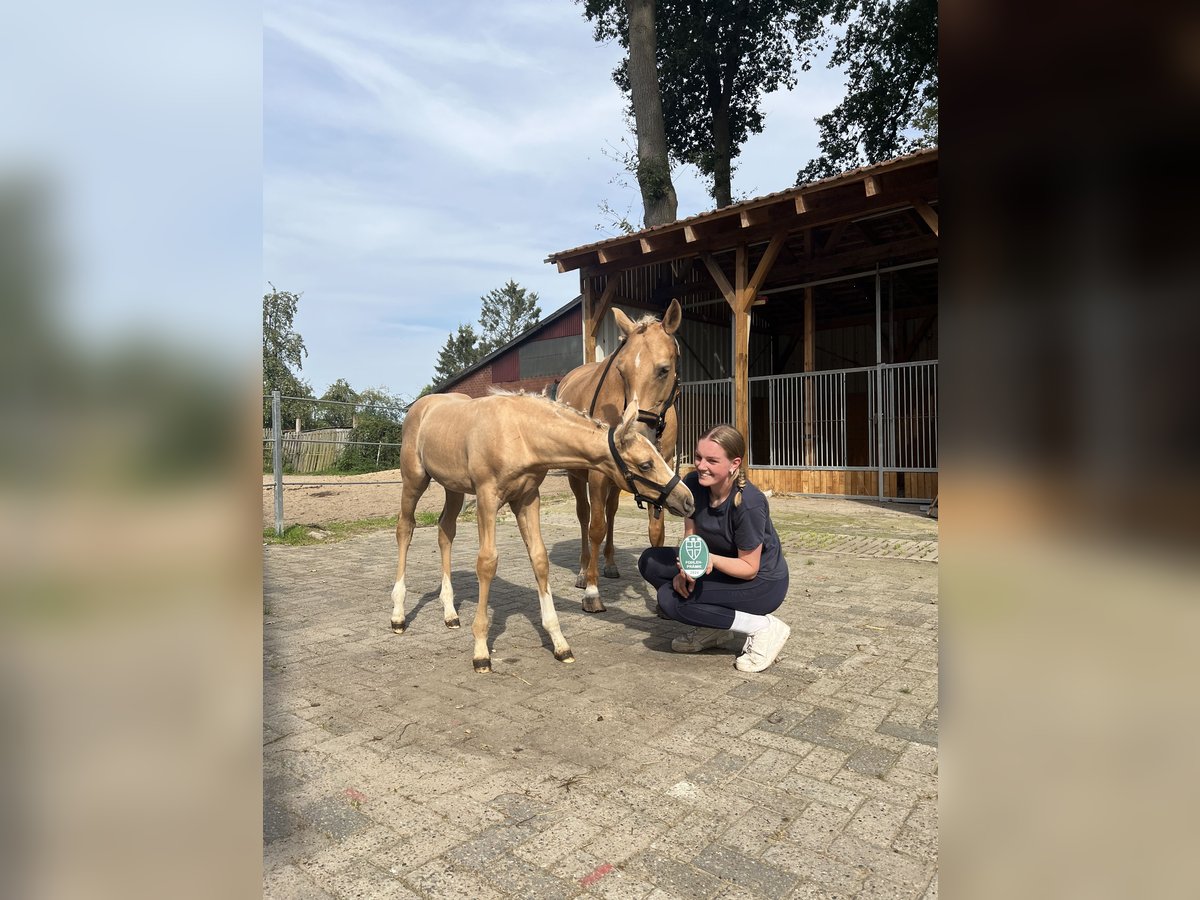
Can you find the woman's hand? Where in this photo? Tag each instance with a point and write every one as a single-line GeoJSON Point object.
{"type": "Point", "coordinates": [682, 582]}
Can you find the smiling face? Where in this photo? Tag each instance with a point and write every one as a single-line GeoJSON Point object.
{"type": "Point", "coordinates": [716, 470]}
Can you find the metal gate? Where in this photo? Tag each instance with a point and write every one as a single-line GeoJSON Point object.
{"type": "Point", "coordinates": [828, 419]}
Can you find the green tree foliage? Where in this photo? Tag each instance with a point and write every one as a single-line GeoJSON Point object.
{"type": "Point", "coordinates": [889, 49]}
{"type": "Point", "coordinates": [461, 351]}
{"type": "Point", "coordinates": [716, 61]}
{"type": "Point", "coordinates": [283, 353]}
{"type": "Point", "coordinates": [505, 313]}
{"type": "Point", "coordinates": [375, 440]}
{"type": "Point", "coordinates": [335, 415]}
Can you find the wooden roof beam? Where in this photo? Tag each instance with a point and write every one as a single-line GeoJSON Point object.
{"type": "Point", "coordinates": [718, 276]}
{"type": "Point", "coordinates": [619, 252]}
{"type": "Point", "coordinates": [763, 269]}
{"type": "Point", "coordinates": [928, 214]}
{"type": "Point", "coordinates": [758, 215]}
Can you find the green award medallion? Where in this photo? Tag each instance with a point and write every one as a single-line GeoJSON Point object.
{"type": "Point", "coordinates": [693, 556]}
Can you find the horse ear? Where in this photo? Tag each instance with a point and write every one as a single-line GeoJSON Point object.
{"type": "Point", "coordinates": [623, 321]}
{"type": "Point", "coordinates": [673, 317]}
{"type": "Point", "coordinates": [630, 416]}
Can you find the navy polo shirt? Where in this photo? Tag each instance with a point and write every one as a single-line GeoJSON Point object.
{"type": "Point", "coordinates": [728, 528]}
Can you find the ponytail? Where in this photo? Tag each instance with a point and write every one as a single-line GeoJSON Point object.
{"type": "Point", "coordinates": [741, 485]}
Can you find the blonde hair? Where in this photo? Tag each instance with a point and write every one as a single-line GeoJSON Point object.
{"type": "Point", "coordinates": [731, 441]}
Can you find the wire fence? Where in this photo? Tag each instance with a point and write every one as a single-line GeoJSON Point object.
{"type": "Point", "coordinates": [368, 440]}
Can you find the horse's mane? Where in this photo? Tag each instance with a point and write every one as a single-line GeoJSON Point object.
{"type": "Point", "coordinates": [557, 405]}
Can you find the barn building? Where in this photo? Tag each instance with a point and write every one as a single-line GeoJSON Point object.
{"type": "Point", "coordinates": [535, 359]}
{"type": "Point", "coordinates": [810, 323]}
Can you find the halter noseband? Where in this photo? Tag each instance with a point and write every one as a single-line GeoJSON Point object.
{"type": "Point", "coordinates": [664, 491]}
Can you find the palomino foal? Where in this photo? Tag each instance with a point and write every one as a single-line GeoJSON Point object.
{"type": "Point", "coordinates": [500, 448]}
{"type": "Point", "coordinates": [643, 370]}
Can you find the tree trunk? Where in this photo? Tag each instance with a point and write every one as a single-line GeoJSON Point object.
{"type": "Point", "coordinates": [722, 156]}
{"type": "Point", "coordinates": [654, 170]}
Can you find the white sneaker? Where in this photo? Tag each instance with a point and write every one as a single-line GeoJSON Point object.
{"type": "Point", "coordinates": [700, 638]}
{"type": "Point", "coordinates": [762, 648]}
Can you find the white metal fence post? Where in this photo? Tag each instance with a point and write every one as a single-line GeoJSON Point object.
{"type": "Point", "coordinates": [277, 460]}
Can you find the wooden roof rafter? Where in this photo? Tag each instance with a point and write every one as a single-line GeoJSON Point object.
{"type": "Point", "coordinates": [872, 190]}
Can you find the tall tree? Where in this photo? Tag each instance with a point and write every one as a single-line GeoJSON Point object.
{"type": "Point", "coordinates": [504, 313]}
{"type": "Point", "coordinates": [334, 414]}
{"type": "Point", "coordinates": [716, 61]}
{"type": "Point", "coordinates": [461, 351]}
{"type": "Point", "coordinates": [659, 201]}
{"type": "Point", "coordinates": [282, 351]}
{"type": "Point", "coordinates": [889, 49]}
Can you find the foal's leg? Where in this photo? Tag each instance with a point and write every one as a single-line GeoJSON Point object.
{"type": "Point", "coordinates": [447, 528]}
{"type": "Point", "coordinates": [597, 487]}
{"type": "Point", "coordinates": [611, 502]}
{"type": "Point", "coordinates": [485, 569]}
{"type": "Point", "coordinates": [413, 488]}
{"type": "Point", "coordinates": [579, 487]}
{"type": "Point", "coordinates": [528, 511]}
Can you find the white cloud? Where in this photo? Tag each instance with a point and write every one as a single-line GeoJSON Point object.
{"type": "Point", "coordinates": [419, 155]}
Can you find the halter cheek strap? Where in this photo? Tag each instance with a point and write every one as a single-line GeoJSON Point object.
{"type": "Point", "coordinates": [658, 421]}
{"type": "Point", "coordinates": [664, 491]}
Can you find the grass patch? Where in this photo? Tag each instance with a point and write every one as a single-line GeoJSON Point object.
{"type": "Point", "coordinates": [306, 535]}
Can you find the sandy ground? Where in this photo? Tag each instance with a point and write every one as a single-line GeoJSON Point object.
{"type": "Point", "coordinates": [318, 500]}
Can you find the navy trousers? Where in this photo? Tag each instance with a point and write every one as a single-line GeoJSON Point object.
{"type": "Point", "coordinates": [714, 598]}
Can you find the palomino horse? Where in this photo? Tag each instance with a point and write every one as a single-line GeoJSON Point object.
{"type": "Point", "coordinates": [643, 370]}
{"type": "Point", "coordinates": [499, 448]}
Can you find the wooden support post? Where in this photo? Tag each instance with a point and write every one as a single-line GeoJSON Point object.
{"type": "Point", "coordinates": [810, 345]}
{"type": "Point", "coordinates": [591, 323]}
{"type": "Point", "coordinates": [741, 347]}
{"type": "Point", "coordinates": [589, 302]}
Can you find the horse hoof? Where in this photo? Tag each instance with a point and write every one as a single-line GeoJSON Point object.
{"type": "Point", "coordinates": [398, 627]}
{"type": "Point", "coordinates": [593, 605]}
{"type": "Point", "coordinates": [611, 572]}
{"type": "Point", "coordinates": [566, 656]}
{"type": "Point", "coordinates": [581, 581]}
{"type": "Point", "coordinates": [482, 666]}
{"type": "Point", "coordinates": [452, 623]}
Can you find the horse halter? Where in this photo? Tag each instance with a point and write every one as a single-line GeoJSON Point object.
{"type": "Point", "coordinates": [658, 420]}
{"type": "Point", "coordinates": [664, 490]}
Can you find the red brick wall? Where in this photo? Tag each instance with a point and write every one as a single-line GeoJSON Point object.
{"type": "Point", "coordinates": [476, 384]}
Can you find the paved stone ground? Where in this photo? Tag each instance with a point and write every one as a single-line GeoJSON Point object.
{"type": "Point", "coordinates": [393, 770]}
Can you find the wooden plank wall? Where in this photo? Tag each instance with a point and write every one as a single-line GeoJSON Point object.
{"type": "Point", "coordinates": [917, 485]}
{"type": "Point", "coordinates": [301, 452]}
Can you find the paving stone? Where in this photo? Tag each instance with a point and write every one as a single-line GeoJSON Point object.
{"type": "Point", "coordinates": [518, 878]}
{"type": "Point", "coordinates": [479, 851]}
{"type": "Point", "coordinates": [871, 761]}
{"type": "Point", "coordinates": [817, 826]}
{"type": "Point", "coordinates": [877, 822]}
{"type": "Point", "coordinates": [882, 861]}
{"type": "Point", "coordinates": [745, 871]}
{"type": "Point", "coordinates": [441, 880]}
{"type": "Point", "coordinates": [364, 881]}
{"type": "Point", "coordinates": [335, 817]}
{"type": "Point", "coordinates": [908, 733]}
{"type": "Point", "coordinates": [634, 758]}
{"type": "Point", "coordinates": [671, 875]}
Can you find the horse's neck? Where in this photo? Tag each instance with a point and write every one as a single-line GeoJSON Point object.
{"type": "Point", "coordinates": [567, 440]}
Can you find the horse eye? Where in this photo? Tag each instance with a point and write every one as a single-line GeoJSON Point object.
{"type": "Point", "coordinates": [663, 370]}
{"type": "Point", "coordinates": [646, 466]}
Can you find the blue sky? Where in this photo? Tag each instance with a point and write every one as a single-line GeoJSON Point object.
{"type": "Point", "coordinates": [416, 156]}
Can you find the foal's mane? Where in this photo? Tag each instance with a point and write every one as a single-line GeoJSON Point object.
{"type": "Point", "coordinates": [556, 405]}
